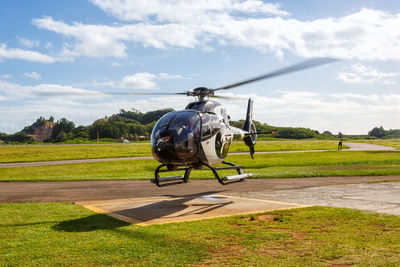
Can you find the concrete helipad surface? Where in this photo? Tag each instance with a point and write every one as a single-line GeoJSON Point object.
{"type": "Point", "coordinates": [158, 210]}
{"type": "Point", "coordinates": [378, 197]}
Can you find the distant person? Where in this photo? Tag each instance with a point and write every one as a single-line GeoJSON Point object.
{"type": "Point", "coordinates": [340, 141]}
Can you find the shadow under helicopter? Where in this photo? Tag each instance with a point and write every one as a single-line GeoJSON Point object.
{"type": "Point", "coordinates": [90, 223]}
{"type": "Point", "coordinates": [160, 209]}
{"type": "Point", "coordinates": [170, 209]}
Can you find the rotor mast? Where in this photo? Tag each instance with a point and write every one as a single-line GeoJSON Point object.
{"type": "Point", "coordinates": [200, 92]}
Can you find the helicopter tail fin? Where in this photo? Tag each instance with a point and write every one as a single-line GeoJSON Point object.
{"type": "Point", "coordinates": [250, 140]}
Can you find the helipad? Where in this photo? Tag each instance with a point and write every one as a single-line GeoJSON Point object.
{"type": "Point", "coordinates": [159, 210]}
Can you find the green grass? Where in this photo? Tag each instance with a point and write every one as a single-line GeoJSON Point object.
{"type": "Point", "coordinates": [307, 164]}
{"type": "Point", "coordinates": [65, 152]}
{"type": "Point", "coordinates": [63, 234]}
{"type": "Point", "coordinates": [10, 154]}
{"type": "Point", "coordinates": [286, 146]}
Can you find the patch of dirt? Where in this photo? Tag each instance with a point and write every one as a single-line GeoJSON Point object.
{"type": "Point", "coordinates": [272, 251]}
{"type": "Point", "coordinates": [298, 236]}
{"type": "Point", "coordinates": [266, 217]}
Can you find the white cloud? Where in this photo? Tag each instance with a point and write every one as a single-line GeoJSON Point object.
{"type": "Point", "coordinates": [366, 34]}
{"type": "Point", "coordinates": [167, 10]}
{"type": "Point", "coordinates": [359, 73]}
{"type": "Point", "coordinates": [33, 75]}
{"type": "Point", "coordinates": [28, 43]}
{"type": "Point", "coordinates": [92, 40]}
{"type": "Point", "coordinates": [16, 53]}
{"type": "Point", "coordinates": [18, 92]}
{"type": "Point", "coordinates": [166, 76]}
{"type": "Point", "coordinates": [5, 76]}
{"type": "Point", "coordinates": [137, 81]}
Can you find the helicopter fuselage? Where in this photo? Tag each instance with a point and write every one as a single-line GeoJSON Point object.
{"type": "Point", "coordinates": [199, 134]}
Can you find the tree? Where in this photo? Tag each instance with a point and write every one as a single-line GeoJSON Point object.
{"type": "Point", "coordinates": [377, 132]}
{"type": "Point", "coordinates": [19, 137]}
{"type": "Point", "coordinates": [61, 137]}
{"type": "Point", "coordinates": [38, 123]}
{"type": "Point", "coordinates": [62, 125]}
{"type": "Point", "coordinates": [327, 133]}
{"type": "Point", "coordinates": [296, 133]}
{"type": "Point", "coordinates": [81, 132]}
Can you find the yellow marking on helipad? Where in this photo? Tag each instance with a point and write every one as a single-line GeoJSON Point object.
{"type": "Point", "coordinates": [269, 201]}
{"type": "Point", "coordinates": [160, 210]}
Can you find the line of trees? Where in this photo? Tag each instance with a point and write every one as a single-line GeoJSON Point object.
{"type": "Point", "coordinates": [285, 132]}
{"type": "Point", "coordinates": [379, 132]}
{"type": "Point", "coordinates": [133, 125]}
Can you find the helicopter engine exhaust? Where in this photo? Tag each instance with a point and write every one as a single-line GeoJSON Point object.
{"type": "Point", "coordinates": [250, 140]}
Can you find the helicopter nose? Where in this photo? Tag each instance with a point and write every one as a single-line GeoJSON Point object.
{"type": "Point", "coordinates": [174, 149]}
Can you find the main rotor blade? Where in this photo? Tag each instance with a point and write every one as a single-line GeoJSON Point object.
{"type": "Point", "coordinates": [301, 66]}
{"type": "Point", "coordinates": [227, 97]}
{"type": "Point", "coordinates": [98, 93]}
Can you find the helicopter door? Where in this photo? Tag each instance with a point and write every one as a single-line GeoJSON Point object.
{"type": "Point", "coordinates": [206, 127]}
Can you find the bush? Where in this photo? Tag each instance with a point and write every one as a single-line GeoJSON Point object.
{"type": "Point", "coordinates": [296, 133]}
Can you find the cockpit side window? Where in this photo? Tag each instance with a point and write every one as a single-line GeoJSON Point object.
{"type": "Point", "coordinates": [206, 126]}
{"type": "Point", "coordinates": [224, 115]}
{"type": "Point", "coordinates": [215, 124]}
{"type": "Point", "coordinates": [162, 125]}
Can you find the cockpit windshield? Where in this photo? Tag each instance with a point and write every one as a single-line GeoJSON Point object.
{"type": "Point", "coordinates": [177, 135]}
{"type": "Point", "coordinates": [185, 124]}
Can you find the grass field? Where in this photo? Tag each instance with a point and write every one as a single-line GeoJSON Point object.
{"type": "Point", "coordinates": [10, 154]}
{"type": "Point", "coordinates": [277, 165]}
{"type": "Point", "coordinates": [63, 234]}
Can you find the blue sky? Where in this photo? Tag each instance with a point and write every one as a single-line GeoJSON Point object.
{"type": "Point", "coordinates": [174, 46]}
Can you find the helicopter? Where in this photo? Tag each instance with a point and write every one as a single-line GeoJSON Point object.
{"type": "Point", "coordinates": [200, 135]}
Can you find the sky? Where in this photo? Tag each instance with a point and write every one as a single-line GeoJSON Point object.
{"type": "Point", "coordinates": [165, 46]}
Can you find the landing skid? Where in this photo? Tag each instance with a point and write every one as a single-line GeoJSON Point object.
{"type": "Point", "coordinates": [240, 177]}
{"type": "Point", "coordinates": [229, 179]}
{"type": "Point", "coordinates": [178, 178]}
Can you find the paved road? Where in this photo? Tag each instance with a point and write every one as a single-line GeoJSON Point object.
{"type": "Point", "coordinates": [367, 147]}
{"type": "Point", "coordinates": [104, 190]}
{"type": "Point", "coordinates": [353, 147]}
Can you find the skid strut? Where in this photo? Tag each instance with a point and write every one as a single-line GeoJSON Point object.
{"type": "Point", "coordinates": [229, 179]}
{"type": "Point", "coordinates": [180, 178]}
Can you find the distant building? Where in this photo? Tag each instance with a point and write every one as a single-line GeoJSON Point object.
{"type": "Point", "coordinates": [106, 118]}
{"type": "Point", "coordinates": [43, 132]}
